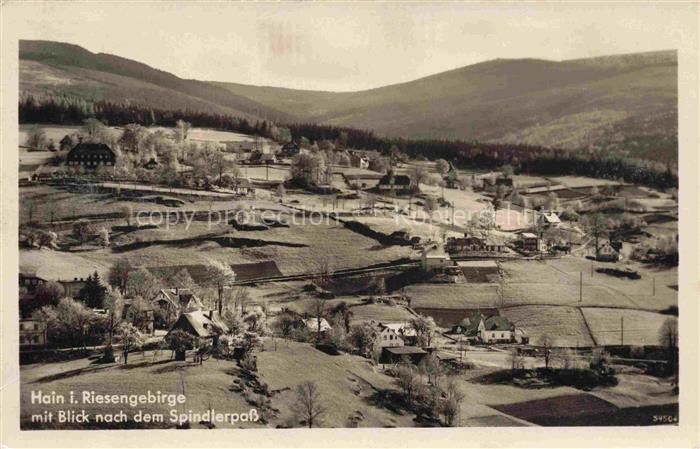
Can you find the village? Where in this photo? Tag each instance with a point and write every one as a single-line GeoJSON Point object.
{"type": "Point", "coordinates": [388, 290]}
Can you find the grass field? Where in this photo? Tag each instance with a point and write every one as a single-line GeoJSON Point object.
{"type": "Point", "coordinates": [452, 296]}
{"type": "Point", "coordinates": [346, 384]}
{"type": "Point", "coordinates": [640, 327]}
{"type": "Point", "coordinates": [565, 325]}
{"type": "Point", "coordinates": [380, 312]}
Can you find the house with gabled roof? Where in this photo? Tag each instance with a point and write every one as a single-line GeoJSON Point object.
{"type": "Point", "coordinates": [486, 328]}
{"type": "Point", "coordinates": [396, 184]}
{"type": "Point", "coordinates": [91, 155]}
{"type": "Point", "coordinates": [202, 325]}
{"type": "Point", "coordinates": [174, 301]}
{"type": "Point", "coordinates": [548, 219]}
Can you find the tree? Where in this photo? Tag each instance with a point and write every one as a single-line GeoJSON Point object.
{"type": "Point", "coordinates": [363, 337]}
{"type": "Point", "coordinates": [183, 280]}
{"type": "Point", "coordinates": [668, 338]}
{"type": "Point", "coordinates": [281, 191]}
{"type": "Point", "coordinates": [30, 206]}
{"type": "Point", "coordinates": [182, 128]}
{"type": "Point", "coordinates": [180, 342]}
{"type": "Point", "coordinates": [142, 283]}
{"type": "Point", "coordinates": [221, 276]}
{"type": "Point", "coordinates": [93, 292]}
{"type": "Point", "coordinates": [418, 176]}
{"type": "Point", "coordinates": [48, 294]}
{"type": "Point", "coordinates": [546, 342]}
{"type": "Point", "coordinates": [407, 380]}
{"type": "Point", "coordinates": [103, 237]}
{"type": "Point", "coordinates": [114, 303]}
{"type": "Point", "coordinates": [306, 169]}
{"type": "Point", "coordinates": [118, 275]}
{"type": "Point", "coordinates": [308, 406]}
{"type": "Point", "coordinates": [36, 138]}
{"type": "Point", "coordinates": [82, 230]}
{"type": "Point", "coordinates": [451, 405]}
{"type": "Point", "coordinates": [318, 309]}
{"type": "Point", "coordinates": [129, 337]}
{"type": "Point", "coordinates": [343, 311]}
{"type": "Point", "coordinates": [516, 360]}
{"type": "Point", "coordinates": [507, 171]}
{"type": "Point", "coordinates": [442, 166]}
{"type": "Point", "coordinates": [425, 328]}
{"type": "Point", "coordinates": [68, 324]}
{"type": "Point", "coordinates": [92, 128]}
{"type": "Point", "coordinates": [133, 138]}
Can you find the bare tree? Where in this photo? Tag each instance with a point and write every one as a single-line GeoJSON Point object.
{"type": "Point", "coordinates": [453, 398]}
{"type": "Point", "coordinates": [318, 308]}
{"type": "Point", "coordinates": [308, 406]}
{"type": "Point", "coordinates": [668, 337]}
{"type": "Point", "coordinates": [517, 361]}
{"type": "Point", "coordinates": [221, 276]}
{"type": "Point", "coordinates": [546, 342]}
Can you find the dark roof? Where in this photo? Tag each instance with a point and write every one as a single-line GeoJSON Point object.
{"type": "Point", "coordinates": [497, 323]}
{"type": "Point", "coordinates": [399, 180]}
{"type": "Point", "coordinates": [405, 350]}
{"type": "Point", "coordinates": [90, 148]}
{"type": "Point", "coordinates": [200, 325]}
{"type": "Point", "coordinates": [364, 176]}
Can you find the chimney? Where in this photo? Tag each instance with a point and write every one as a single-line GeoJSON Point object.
{"type": "Point", "coordinates": [211, 315]}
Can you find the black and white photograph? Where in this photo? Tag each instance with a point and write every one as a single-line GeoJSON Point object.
{"type": "Point", "coordinates": [315, 215]}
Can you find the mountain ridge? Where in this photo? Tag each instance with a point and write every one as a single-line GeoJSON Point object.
{"type": "Point", "coordinates": [624, 102]}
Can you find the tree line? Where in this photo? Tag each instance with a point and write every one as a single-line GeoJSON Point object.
{"type": "Point", "coordinates": [523, 158]}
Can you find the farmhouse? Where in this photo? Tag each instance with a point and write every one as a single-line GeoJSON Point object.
{"type": "Point", "coordinates": [290, 149]}
{"type": "Point", "coordinates": [395, 184]}
{"type": "Point", "coordinates": [486, 328]}
{"type": "Point", "coordinates": [311, 324]}
{"type": "Point", "coordinates": [31, 333]}
{"type": "Point", "coordinates": [359, 160]}
{"type": "Point", "coordinates": [435, 260]}
{"type": "Point", "coordinates": [201, 325]}
{"type": "Point", "coordinates": [607, 253]}
{"type": "Point", "coordinates": [143, 319]}
{"type": "Point", "coordinates": [174, 301]}
{"type": "Point", "coordinates": [243, 187]}
{"type": "Point", "coordinates": [387, 337]}
{"type": "Point", "coordinates": [495, 244]}
{"type": "Point", "coordinates": [363, 180]}
{"type": "Point", "coordinates": [71, 288]}
{"type": "Point", "coordinates": [30, 281]}
{"type": "Point", "coordinates": [548, 219]}
{"type": "Point", "coordinates": [529, 242]}
{"type": "Point", "coordinates": [479, 271]}
{"type": "Point", "coordinates": [464, 244]}
{"type": "Point", "coordinates": [91, 155]}
{"type": "Point", "coordinates": [240, 147]}
{"type": "Point", "coordinates": [151, 164]}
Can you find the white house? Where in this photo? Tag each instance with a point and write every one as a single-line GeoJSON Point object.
{"type": "Point", "coordinates": [495, 329]}
{"type": "Point", "coordinates": [388, 337]}
{"type": "Point", "coordinates": [435, 260]}
{"type": "Point", "coordinates": [549, 219]}
{"type": "Point", "coordinates": [607, 253]}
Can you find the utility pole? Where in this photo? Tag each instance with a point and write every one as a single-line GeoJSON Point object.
{"type": "Point", "coordinates": [622, 331]}
{"type": "Point", "coordinates": [653, 286]}
{"type": "Point", "coordinates": [580, 286]}
{"type": "Point", "coordinates": [591, 268]}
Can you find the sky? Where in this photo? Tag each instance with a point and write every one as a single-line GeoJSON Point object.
{"type": "Point", "coordinates": [345, 47]}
